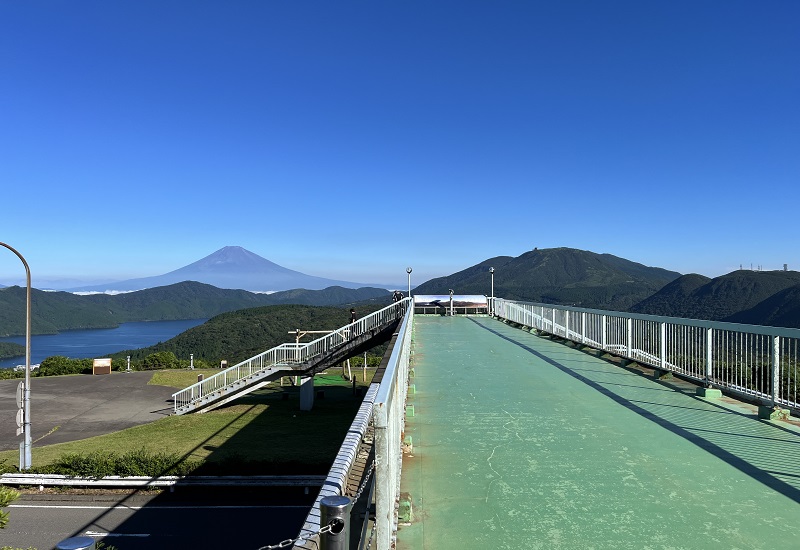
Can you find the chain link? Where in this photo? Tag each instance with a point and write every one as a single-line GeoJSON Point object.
{"type": "Point", "coordinates": [371, 535]}
{"type": "Point", "coordinates": [288, 543]}
{"type": "Point", "coordinates": [364, 482]}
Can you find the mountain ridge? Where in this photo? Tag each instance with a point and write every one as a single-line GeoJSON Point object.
{"type": "Point", "coordinates": [230, 267]}
{"type": "Point", "coordinates": [564, 276]}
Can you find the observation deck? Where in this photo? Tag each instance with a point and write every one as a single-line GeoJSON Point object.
{"type": "Point", "coordinates": [519, 440]}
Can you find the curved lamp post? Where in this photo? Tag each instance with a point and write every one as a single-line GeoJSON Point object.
{"type": "Point", "coordinates": [491, 270]}
{"type": "Point", "coordinates": [25, 446]}
{"type": "Point", "coordinates": [409, 270]}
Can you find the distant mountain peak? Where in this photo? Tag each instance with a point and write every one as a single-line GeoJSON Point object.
{"type": "Point", "coordinates": [232, 267]}
{"type": "Point", "coordinates": [233, 257]}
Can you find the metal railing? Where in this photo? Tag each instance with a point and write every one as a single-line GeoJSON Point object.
{"type": "Point", "coordinates": [750, 360]}
{"type": "Point", "coordinates": [389, 419]}
{"type": "Point", "coordinates": [288, 355]}
{"type": "Point", "coordinates": [384, 406]}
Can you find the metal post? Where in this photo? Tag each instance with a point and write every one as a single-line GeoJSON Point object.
{"type": "Point", "coordinates": [191, 361]}
{"type": "Point", "coordinates": [335, 510]}
{"type": "Point", "coordinates": [409, 270]}
{"type": "Point", "coordinates": [663, 346]}
{"type": "Point", "coordinates": [709, 356]}
{"type": "Point", "coordinates": [25, 446]}
{"type": "Point", "coordinates": [630, 338]}
{"type": "Point", "coordinates": [129, 364]}
{"type": "Point", "coordinates": [776, 372]}
{"type": "Point", "coordinates": [77, 543]}
{"type": "Point", "coordinates": [583, 327]}
{"type": "Point", "coordinates": [603, 341]}
{"type": "Point", "coordinates": [491, 270]}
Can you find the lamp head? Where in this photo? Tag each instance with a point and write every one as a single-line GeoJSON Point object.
{"type": "Point", "coordinates": [408, 270]}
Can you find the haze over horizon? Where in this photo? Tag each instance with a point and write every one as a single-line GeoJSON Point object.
{"type": "Point", "coordinates": [348, 141]}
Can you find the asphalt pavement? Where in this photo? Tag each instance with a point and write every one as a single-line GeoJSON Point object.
{"type": "Point", "coordinates": [68, 408]}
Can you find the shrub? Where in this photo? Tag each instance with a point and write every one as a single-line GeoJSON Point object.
{"type": "Point", "coordinates": [7, 496]}
{"type": "Point", "coordinates": [58, 364]}
{"type": "Point", "coordinates": [160, 360]}
{"type": "Point", "coordinates": [108, 463]}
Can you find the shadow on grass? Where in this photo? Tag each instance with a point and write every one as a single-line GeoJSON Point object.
{"type": "Point", "coordinates": [266, 434]}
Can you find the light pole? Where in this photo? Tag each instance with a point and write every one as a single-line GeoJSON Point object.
{"type": "Point", "coordinates": [409, 270]}
{"type": "Point", "coordinates": [25, 446]}
{"type": "Point", "coordinates": [491, 271]}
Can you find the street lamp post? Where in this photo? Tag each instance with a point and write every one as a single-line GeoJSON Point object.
{"type": "Point", "coordinates": [491, 271]}
{"type": "Point", "coordinates": [409, 270]}
{"type": "Point", "coordinates": [25, 446]}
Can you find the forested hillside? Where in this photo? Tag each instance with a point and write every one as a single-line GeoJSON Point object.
{"type": "Point", "coordinates": [733, 297]}
{"type": "Point", "coordinates": [57, 311]}
{"type": "Point", "coordinates": [238, 335]}
{"type": "Point", "coordinates": [559, 276]}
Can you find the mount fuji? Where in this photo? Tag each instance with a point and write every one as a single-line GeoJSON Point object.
{"type": "Point", "coordinates": [230, 267]}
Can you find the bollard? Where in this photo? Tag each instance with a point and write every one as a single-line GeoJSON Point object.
{"type": "Point", "coordinates": [335, 509]}
{"type": "Point", "coordinates": [76, 543]}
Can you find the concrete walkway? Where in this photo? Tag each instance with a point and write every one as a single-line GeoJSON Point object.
{"type": "Point", "coordinates": [522, 442]}
{"type": "Point", "coordinates": [77, 407]}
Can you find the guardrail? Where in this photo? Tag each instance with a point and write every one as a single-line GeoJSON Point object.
{"type": "Point", "coordinates": [384, 406]}
{"type": "Point", "coordinates": [55, 480]}
{"type": "Point", "coordinates": [288, 354]}
{"type": "Point", "coordinates": [389, 419]}
{"type": "Point", "coordinates": [750, 360]}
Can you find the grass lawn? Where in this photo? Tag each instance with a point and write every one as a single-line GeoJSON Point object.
{"type": "Point", "coordinates": [261, 433]}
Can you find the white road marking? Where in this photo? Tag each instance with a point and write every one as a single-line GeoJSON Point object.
{"type": "Point", "coordinates": [154, 507]}
{"type": "Point", "coordinates": [96, 534]}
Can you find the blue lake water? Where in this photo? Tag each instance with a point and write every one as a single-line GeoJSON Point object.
{"type": "Point", "coordinates": [99, 342]}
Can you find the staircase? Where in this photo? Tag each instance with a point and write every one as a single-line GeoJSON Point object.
{"type": "Point", "coordinates": [290, 360]}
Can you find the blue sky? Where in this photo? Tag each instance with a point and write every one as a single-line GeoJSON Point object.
{"type": "Point", "coordinates": [352, 139]}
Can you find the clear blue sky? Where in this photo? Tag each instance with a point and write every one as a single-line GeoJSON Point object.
{"type": "Point", "coordinates": [352, 139]}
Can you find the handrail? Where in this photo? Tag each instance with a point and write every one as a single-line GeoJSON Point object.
{"type": "Point", "coordinates": [756, 361]}
{"type": "Point", "coordinates": [384, 404]}
{"type": "Point", "coordinates": [287, 355]}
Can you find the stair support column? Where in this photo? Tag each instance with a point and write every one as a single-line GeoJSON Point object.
{"type": "Point", "coordinates": [306, 393]}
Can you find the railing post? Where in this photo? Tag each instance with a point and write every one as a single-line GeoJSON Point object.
{"type": "Point", "coordinates": [630, 338]}
{"type": "Point", "coordinates": [709, 355]}
{"type": "Point", "coordinates": [583, 327]}
{"type": "Point", "coordinates": [603, 343]}
{"type": "Point", "coordinates": [663, 346]}
{"type": "Point", "coordinates": [566, 324]}
{"type": "Point", "coordinates": [776, 371]}
{"type": "Point", "coordinates": [335, 511]}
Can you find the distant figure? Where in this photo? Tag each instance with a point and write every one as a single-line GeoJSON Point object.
{"type": "Point", "coordinates": [352, 320]}
{"type": "Point", "coordinates": [397, 296]}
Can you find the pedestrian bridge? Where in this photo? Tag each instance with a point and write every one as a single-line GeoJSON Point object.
{"type": "Point", "coordinates": [543, 426]}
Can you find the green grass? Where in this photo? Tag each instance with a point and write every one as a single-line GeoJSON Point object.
{"type": "Point", "coordinates": [262, 433]}
{"type": "Point", "coordinates": [180, 379]}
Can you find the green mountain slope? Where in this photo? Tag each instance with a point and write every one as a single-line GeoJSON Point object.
{"type": "Point", "coordinates": [782, 309]}
{"type": "Point", "coordinates": [56, 311]}
{"type": "Point", "coordinates": [719, 298]}
{"type": "Point", "coordinates": [559, 276]}
{"type": "Point", "coordinates": [672, 300]}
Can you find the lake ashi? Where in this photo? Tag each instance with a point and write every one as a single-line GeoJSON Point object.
{"type": "Point", "coordinates": [78, 344]}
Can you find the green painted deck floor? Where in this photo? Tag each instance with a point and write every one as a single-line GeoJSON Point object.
{"type": "Point", "coordinates": [522, 442]}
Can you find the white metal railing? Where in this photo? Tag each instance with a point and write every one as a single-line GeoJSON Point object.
{"type": "Point", "coordinates": [757, 361]}
{"type": "Point", "coordinates": [288, 354]}
{"type": "Point", "coordinates": [388, 415]}
{"type": "Point", "coordinates": [384, 404]}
